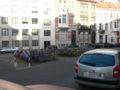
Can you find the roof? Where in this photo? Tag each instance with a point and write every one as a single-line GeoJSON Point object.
{"type": "Point", "coordinates": [103, 51]}
{"type": "Point", "coordinates": [88, 1]}
{"type": "Point", "coordinates": [107, 5]}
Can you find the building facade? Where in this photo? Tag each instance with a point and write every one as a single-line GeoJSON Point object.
{"type": "Point", "coordinates": [74, 19]}
{"type": "Point", "coordinates": [107, 22]}
{"type": "Point", "coordinates": [86, 21]}
{"type": "Point", "coordinates": [24, 24]}
{"type": "Point", "coordinates": [65, 24]}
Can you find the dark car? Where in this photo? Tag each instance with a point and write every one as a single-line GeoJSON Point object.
{"type": "Point", "coordinates": [107, 45]}
{"type": "Point", "coordinates": [117, 45]}
{"type": "Point", "coordinates": [52, 47]}
{"type": "Point", "coordinates": [72, 47]}
{"type": "Point", "coordinates": [91, 45]}
{"type": "Point", "coordinates": [98, 45]}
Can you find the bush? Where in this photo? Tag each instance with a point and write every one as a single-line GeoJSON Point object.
{"type": "Point", "coordinates": [75, 52]}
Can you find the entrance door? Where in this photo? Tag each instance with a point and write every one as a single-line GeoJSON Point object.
{"type": "Point", "coordinates": [106, 41]}
{"type": "Point", "coordinates": [73, 38]}
{"type": "Point", "coordinates": [101, 39]}
{"type": "Point", "coordinates": [46, 44]}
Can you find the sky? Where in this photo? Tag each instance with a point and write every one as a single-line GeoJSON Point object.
{"type": "Point", "coordinates": [112, 0]}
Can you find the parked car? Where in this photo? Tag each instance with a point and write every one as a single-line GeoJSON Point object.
{"type": "Point", "coordinates": [99, 68]}
{"type": "Point", "coordinates": [8, 50]}
{"type": "Point", "coordinates": [52, 47]}
{"type": "Point", "coordinates": [72, 47]}
{"type": "Point", "coordinates": [109, 45]}
{"type": "Point", "coordinates": [117, 45]}
{"type": "Point", "coordinates": [96, 45]}
{"type": "Point", "coordinates": [91, 45]}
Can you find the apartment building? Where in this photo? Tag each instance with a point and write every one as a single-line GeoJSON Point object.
{"type": "Point", "coordinates": [107, 22]}
{"type": "Point", "coordinates": [86, 12]}
{"type": "Point", "coordinates": [65, 22]}
{"type": "Point", "coordinates": [73, 21]}
{"type": "Point", "coordinates": [27, 23]}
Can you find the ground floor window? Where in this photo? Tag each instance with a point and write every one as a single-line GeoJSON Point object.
{"type": "Point", "coordinates": [5, 43]}
{"type": "Point", "coordinates": [15, 43]}
{"type": "Point", "coordinates": [25, 43]}
{"type": "Point", "coordinates": [34, 42]}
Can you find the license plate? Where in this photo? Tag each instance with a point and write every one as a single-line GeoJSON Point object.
{"type": "Point", "coordinates": [94, 75]}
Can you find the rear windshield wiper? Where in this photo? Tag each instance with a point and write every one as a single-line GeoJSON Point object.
{"type": "Point", "coordinates": [88, 63]}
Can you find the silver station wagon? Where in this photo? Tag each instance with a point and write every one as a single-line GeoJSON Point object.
{"type": "Point", "coordinates": [99, 68]}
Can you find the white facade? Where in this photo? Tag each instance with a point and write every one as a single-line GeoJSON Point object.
{"type": "Point", "coordinates": [107, 25]}
{"type": "Point", "coordinates": [33, 22]}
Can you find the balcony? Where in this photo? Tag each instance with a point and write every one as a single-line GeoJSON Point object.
{"type": "Point", "coordinates": [101, 31]}
{"type": "Point", "coordinates": [83, 27]}
{"type": "Point", "coordinates": [63, 26]}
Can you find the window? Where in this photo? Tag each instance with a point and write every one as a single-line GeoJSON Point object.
{"type": "Point", "coordinates": [100, 26]}
{"type": "Point", "coordinates": [34, 10]}
{"type": "Point", "coordinates": [34, 20]}
{"type": "Point", "coordinates": [73, 19]}
{"type": "Point", "coordinates": [25, 9]}
{"type": "Point", "coordinates": [25, 43]}
{"type": "Point", "coordinates": [15, 9]}
{"type": "Point", "coordinates": [47, 11]}
{"type": "Point", "coordinates": [63, 35]}
{"type": "Point", "coordinates": [34, 42]}
{"type": "Point", "coordinates": [93, 8]}
{"type": "Point", "coordinates": [34, 31]}
{"type": "Point", "coordinates": [63, 19]}
{"type": "Point", "coordinates": [84, 20]}
{"type": "Point", "coordinates": [25, 31]}
{"type": "Point", "coordinates": [14, 32]}
{"type": "Point", "coordinates": [65, 4]}
{"type": "Point", "coordinates": [111, 15]}
{"type": "Point", "coordinates": [111, 25]}
{"type": "Point", "coordinates": [97, 60]}
{"type": "Point", "coordinates": [47, 22]}
{"type": "Point", "coordinates": [4, 8]}
{"type": "Point", "coordinates": [4, 20]}
{"type": "Point", "coordinates": [47, 33]}
{"type": "Point", "coordinates": [93, 20]}
{"type": "Point", "coordinates": [60, 1]}
{"type": "Point", "coordinates": [73, 4]}
{"type": "Point", "coordinates": [15, 20]}
{"type": "Point", "coordinates": [15, 43]}
{"type": "Point", "coordinates": [82, 7]}
{"type": "Point", "coordinates": [85, 8]}
{"type": "Point", "coordinates": [5, 31]}
{"type": "Point", "coordinates": [115, 24]}
{"type": "Point", "coordinates": [106, 26]}
{"type": "Point", "coordinates": [24, 20]}
{"type": "Point", "coordinates": [5, 43]}
{"type": "Point", "coordinates": [60, 21]}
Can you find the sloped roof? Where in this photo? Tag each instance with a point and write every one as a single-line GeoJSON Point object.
{"type": "Point", "coordinates": [88, 0]}
{"type": "Point", "coordinates": [103, 4]}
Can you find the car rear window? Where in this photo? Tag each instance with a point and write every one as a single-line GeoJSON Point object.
{"type": "Point", "coordinates": [97, 60]}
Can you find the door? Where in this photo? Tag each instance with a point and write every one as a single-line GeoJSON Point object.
{"type": "Point", "coordinates": [46, 44]}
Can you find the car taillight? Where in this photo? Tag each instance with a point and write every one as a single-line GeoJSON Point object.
{"type": "Point", "coordinates": [76, 68]}
{"type": "Point", "coordinates": [116, 72]}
